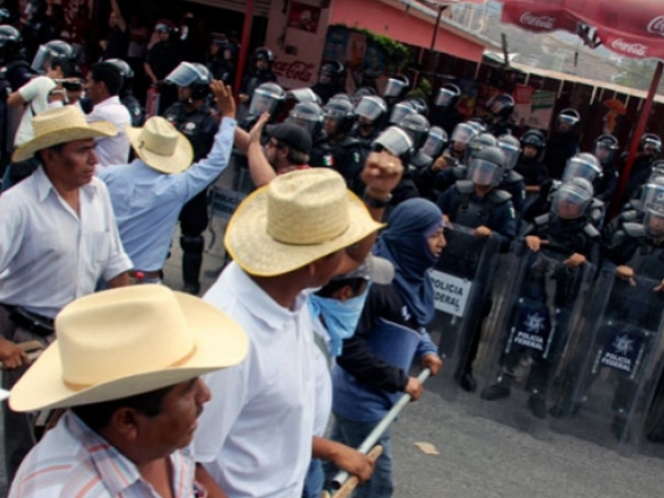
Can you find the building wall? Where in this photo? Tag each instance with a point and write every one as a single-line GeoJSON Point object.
{"type": "Point", "coordinates": [402, 26]}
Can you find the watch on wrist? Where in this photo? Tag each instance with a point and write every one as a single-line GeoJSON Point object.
{"type": "Point", "coordinates": [374, 203]}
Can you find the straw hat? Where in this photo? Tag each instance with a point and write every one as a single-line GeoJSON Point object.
{"type": "Point", "coordinates": [128, 341]}
{"type": "Point", "coordinates": [58, 126]}
{"type": "Point", "coordinates": [159, 145]}
{"type": "Point", "coordinates": [298, 218]}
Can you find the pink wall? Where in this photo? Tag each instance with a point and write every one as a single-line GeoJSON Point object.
{"type": "Point", "coordinates": [404, 27]}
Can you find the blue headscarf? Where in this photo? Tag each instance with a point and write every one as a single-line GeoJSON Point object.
{"type": "Point", "coordinates": [404, 243]}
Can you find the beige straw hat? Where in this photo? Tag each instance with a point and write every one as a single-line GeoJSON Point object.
{"type": "Point", "coordinates": [298, 218]}
{"type": "Point", "coordinates": [59, 126]}
{"type": "Point", "coordinates": [128, 341]}
{"type": "Point", "coordinates": [159, 145]}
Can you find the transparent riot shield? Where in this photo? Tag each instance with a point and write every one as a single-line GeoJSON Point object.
{"type": "Point", "coordinates": [538, 300]}
{"type": "Point", "coordinates": [227, 192]}
{"type": "Point", "coordinates": [611, 374]}
{"type": "Point", "coordinates": [461, 280]}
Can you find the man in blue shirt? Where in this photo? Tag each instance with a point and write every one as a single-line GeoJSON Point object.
{"type": "Point", "coordinates": [148, 194]}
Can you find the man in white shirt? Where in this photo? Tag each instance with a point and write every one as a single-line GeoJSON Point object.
{"type": "Point", "coordinates": [288, 236]}
{"type": "Point", "coordinates": [103, 86]}
{"type": "Point", "coordinates": [58, 239]}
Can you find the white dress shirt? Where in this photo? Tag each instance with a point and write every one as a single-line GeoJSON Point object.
{"type": "Point", "coordinates": [49, 256]}
{"type": "Point", "coordinates": [112, 150]}
{"type": "Point", "coordinates": [35, 95]}
{"type": "Point", "coordinates": [255, 435]}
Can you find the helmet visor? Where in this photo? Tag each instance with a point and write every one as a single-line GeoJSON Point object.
{"type": "Point", "coordinates": [512, 153]}
{"type": "Point", "coordinates": [604, 152]}
{"type": "Point", "coordinates": [393, 88]}
{"type": "Point", "coordinates": [42, 59]}
{"type": "Point", "coordinates": [463, 133]}
{"type": "Point", "coordinates": [394, 140]}
{"type": "Point", "coordinates": [302, 95]}
{"type": "Point", "coordinates": [434, 143]}
{"type": "Point", "coordinates": [580, 168]}
{"type": "Point", "coordinates": [652, 195]}
{"type": "Point", "coordinates": [445, 97]}
{"type": "Point", "coordinates": [370, 108]}
{"type": "Point", "coordinates": [484, 173]}
{"type": "Point", "coordinates": [399, 112]}
{"type": "Point", "coordinates": [183, 75]}
{"type": "Point", "coordinates": [262, 101]}
{"type": "Point", "coordinates": [570, 202]}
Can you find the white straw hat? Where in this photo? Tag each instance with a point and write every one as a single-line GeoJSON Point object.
{"type": "Point", "coordinates": [128, 341]}
{"type": "Point", "coordinates": [159, 145]}
{"type": "Point", "coordinates": [298, 218]}
{"type": "Point", "coordinates": [59, 126]}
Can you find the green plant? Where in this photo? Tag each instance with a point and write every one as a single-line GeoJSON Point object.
{"type": "Point", "coordinates": [396, 53]}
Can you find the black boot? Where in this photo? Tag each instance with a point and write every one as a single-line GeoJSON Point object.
{"type": "Point", "coordinates": [468, 382]}
{"type": "Point", "coordinates": [499, 390]}
{"type": "Point", "coordinates": [192, 259]}
{"type": "Point", "coordinates": [537, 404]}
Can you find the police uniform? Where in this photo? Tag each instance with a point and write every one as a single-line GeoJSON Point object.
{"type": "Point", "coordinates": [347, 160]}
{"type": "Point", "coordinates": [163, 57]}
{"type": "Point", "coordinates": [514, 184]}
{"type": "Point", "coordinates": [255, 78]}
{"type": "Point", "coordinates": [200, 128]}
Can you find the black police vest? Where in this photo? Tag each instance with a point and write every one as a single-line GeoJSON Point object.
{"type": "Point", "coordinates": [649, 258]}
{"type": "Point", "coordinates": [192, 126]}
{"type": "Point", "coordinates": [576, 237]}
{"type": "Point", "coordinates": [473, 214]}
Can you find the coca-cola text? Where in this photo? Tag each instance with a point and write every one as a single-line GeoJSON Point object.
{"type": "Point", "coordinates": [296, 70]}
{"type": "Point", "coordinates": [541, 22]}
{"type": "Point", "coordinates": [638, 49]}
{"type": "Point", "coordinates": [656, 26]}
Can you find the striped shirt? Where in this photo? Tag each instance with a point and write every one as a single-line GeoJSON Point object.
{"type": "Point", "coordinates": [74, 461]}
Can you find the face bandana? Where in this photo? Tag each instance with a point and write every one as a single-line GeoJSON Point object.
{"type": "Point", "coordinates": [340, 318]}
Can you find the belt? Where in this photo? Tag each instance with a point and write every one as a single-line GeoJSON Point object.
{"type": "Point", "coordinates": [140, 275]}
{"type": "Point", "coordinates": [37, 324]}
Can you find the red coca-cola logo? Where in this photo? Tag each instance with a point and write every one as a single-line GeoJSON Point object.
{"type": "Point", "coordinates": [638, 49]}
{"type": "Point", "coordinates": [541, 22]}
{"type": "Point", "coordinates": [296, 70]}
{"type": "Point", "coordinates": [656, 26]}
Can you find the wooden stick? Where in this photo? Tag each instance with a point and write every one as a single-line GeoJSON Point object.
{"type": "Point", "coordinates": [351, 484]}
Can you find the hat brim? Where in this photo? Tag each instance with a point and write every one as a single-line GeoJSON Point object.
{"type": "Point", "coordinates": [220, 343]}
{"type": "Point", "coordinates": [179, 161]}
{"type": "Point", "coordinates": [97, 129]}
{"type": "Point", "coordinates": [251, 247]}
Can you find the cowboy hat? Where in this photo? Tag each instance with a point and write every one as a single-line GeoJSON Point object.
{"type": "Point", "coordinates": [298, 218]}
{"type": "Point", "coordinates": [123, 342]}
{"type": "Point", "coordinates": [58, 126]}
{"type": "Point", "coordinates": [159, 145]}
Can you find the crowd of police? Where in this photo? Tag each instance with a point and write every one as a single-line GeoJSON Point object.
{"type": "Point", "coordinates": [532, 209]}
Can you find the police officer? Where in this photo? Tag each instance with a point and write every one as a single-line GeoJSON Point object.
{"type": "Point", "coordinates": [371, 117]}
{"type": "Point", "coordinates": [605, 150]}
{"type": "Point", "coordinates": [423, 160]}
{"type": "Point", "coordinates": [136, 110]}
{"type": "Point", "coordinates": [530, 165]}
{"type": "Point", "coordinates": [268, 97]}
{"type": "Point", "coordinates": [650, 148]}
{"type": "Point", "coordinates": [478, 204]}
{"type": "Point", "coordinates": [222, 59]}
{"type": "Point", "coordinates": [161, 59]}
{"type": "Point", "coordinates": [445, 113]}
{"type": "Point", "coordinates": [38, 29]}
{"type": "Point", "coordinates": [396, 89]}
{"type": "Point", "coordinates": [501, 107]}
{"type": "Point", "coordinates": [567, 228]}
{"type": "Point", "coordinates": [340, 118]}
{"type": "Point", "coordinates": [331, 80]}
{"type": "Point", "coordinates": [261, 72]}
{"type": "Point", "coordinates": [513, 182]}
{"type": "Point", "coordinates": [191, 116]}
{"type": "Point", "coordinates": [564, 143]}
{"type": "Point", "coordinates": [310, 116]}
{"type": "Point", "coordinates": [417, 128]}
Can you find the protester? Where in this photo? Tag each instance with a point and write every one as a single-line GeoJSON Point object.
{"type": "Point", "coordinates": [126, 366]}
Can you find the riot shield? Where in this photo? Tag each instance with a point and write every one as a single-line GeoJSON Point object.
{"type": "Point", "coordinates": [611, 374]}
{"type": "Point", "coordinates": [461, 280]}
{"type": "Point", "coordinates": [225, 195]}
{"type": "Point", "coordinates": [538, 304]}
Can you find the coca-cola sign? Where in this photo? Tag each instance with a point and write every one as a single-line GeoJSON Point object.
{"type": "Point", "coordinates": [637, 49]}
{"type": "Point", "coordinates": [539, 22]}
{"type": "Point", "coordinates": [296, 70]}
{"type": "Point", "coordinates": [656, 26]}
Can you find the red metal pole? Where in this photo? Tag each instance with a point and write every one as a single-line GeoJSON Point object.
{"type": "Point", "coordinates": [244, 45]}
{"type": "Point", "coordinates": [638, 133]}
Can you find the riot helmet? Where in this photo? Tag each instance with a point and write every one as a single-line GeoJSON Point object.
{"type": "Point", "coordinates": [191, 75]}
{"type": "Point", "coordinates": [264, 54]}
{"type": "Point", "coordinates": [487, 168]}
{"type": "Point", "coordinates": [396, 87]}
{"type": "Point", "coordinates": [448, 96]}
{"type": "Point", "coordinates": [363, 91]}
{"type": "Point", "coordinates": [435, 142]}
{"type": "Point", "coordinates": [572, 199]}
{"type": "Point", "coordinates": [301, 95]}
{"type": "Point", "coordinates": [606, 146]}
{"type": "Point", "coordinates": [477, 143]}
{"type": "Point", "coordinates": [477, 125]}
{"type": "Point", "coordinates": [583, 165]}
{"type": "Point", "coordinates": [309, 116]}
{"type": "Point", "coordinates": [656, 170]}
{"type": "Point", "coordinates": [339, 116]}
{"type": "Point", "coordinates": [401, 110]}
{"type": "Point", "coordinates": [332, 73]}
{"type": "Point", "coordinates": [651, 145]}
{"type": "Point", "coordinates": [653, 194]}
{"type": "Point", "coordinates": [417, 127]}
{"type": "Point", "coordinates": [53, 50]}
{"type": "Point", "coordinates": [419, 105]}
{"type": "Point", "coordinates": [512, 149]}
{"type": "Point", "coordinates": [164, 26]}
{"type": "Point", "coordinates": [463, 133]}
{"type": "Point", "coordinates": [371, 109]}
{"type": "Point", "coordinates": [534, 138]}
{"type": "Point", "coordinates": [268, 97]}
{"type": "Point", "coordinates": [653, 222]}
{"type": "Point", "coordinates": [396, 141]}
{"type": "Point", "coordinates": [11, 43]}
{"type": "Point", "coordinates": [501, 105]}
{"type": "Point", "coordinates": [567, 120]}
{"type": "Point", "coordinates": [125, 69]}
